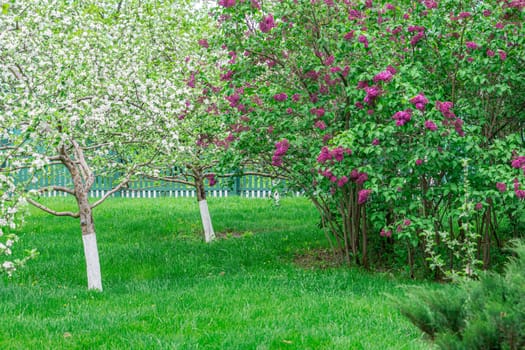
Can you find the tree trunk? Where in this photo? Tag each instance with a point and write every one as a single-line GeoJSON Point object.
{"type": "Point", "coordinates": [83, 178]}
{"type": "Point", "coordinates": [209, 234]}
{"type": "Point", "coordinates": [89, 238]}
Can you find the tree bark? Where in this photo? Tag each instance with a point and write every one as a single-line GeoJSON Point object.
{"type": "Point", "coordinates": [83, 179]}
{"type": "Point", "coordinates": [209, 234]}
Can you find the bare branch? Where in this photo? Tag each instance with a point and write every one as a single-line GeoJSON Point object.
{"type": "Point", "coordinates": [109, 193]}
{"type": "Point", "coordinates": [174, 179]}
{"type": "Point", "coordinates": [51, 211]}
{"type": "Point", "coordinates": [56, 188]}
{"type": "Point", "coordinates": [255, 173]}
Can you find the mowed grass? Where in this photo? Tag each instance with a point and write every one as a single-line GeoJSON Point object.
{"type": "Point", "coordinates": [164, 288]}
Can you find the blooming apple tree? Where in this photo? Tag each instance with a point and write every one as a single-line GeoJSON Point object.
{"type": "Point", "coordinates": [84, 77]}
{"type": "Point", "coordinates": [192, 135]}
{"type": "Point", "coordinates": [400, 121]}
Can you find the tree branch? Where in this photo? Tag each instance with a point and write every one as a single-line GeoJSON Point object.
{"type": "Point", "coordinates": [120, 185]}
{"type": "Point", "coordinates": [254, 173]}
{"type": "Point", "coordinates": [51, 211]}
{"type": "Point", "coordinates": [171, 179]}
{"type": "Point", "coordinates": [56, 188]}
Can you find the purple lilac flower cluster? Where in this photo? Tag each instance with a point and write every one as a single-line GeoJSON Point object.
{"type": "Point", "coordinates": [281, 148]}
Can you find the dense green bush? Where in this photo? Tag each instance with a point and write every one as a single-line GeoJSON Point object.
{"type": "Point", "coordinates": [484, 314]}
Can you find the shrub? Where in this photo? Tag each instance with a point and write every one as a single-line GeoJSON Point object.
{"type": "Point", "coordinates": [485, 314]}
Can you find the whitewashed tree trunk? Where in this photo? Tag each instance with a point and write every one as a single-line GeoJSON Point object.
{"type": "Point", "coordinates": [209, 235]}
{"type": "Point", "coordinates": [89, 238]}
{"type": "Point", "coordinates": [94, 276]}
{"type": "Point", "coordinates": [78, 172]}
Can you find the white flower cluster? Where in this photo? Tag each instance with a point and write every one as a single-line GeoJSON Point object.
{"type": "Point", "coordinates": [10, 204]}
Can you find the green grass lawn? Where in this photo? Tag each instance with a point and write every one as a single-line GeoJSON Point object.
{"type": "Point", "coordinates": [164, 288]}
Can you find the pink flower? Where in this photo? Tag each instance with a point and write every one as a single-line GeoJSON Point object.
{"type": "Point", "coordinates": [277, 161]}
{"type": "Point", "coordinates": [478, 206]}
{"type": "Point", "coordinates": [191, 82]}
{"type": "Point", "coordinates": [419, 162]}
{"type": "Point", "coordinates": [375, 142]}
{"type": "Point", "coordinates": [383, 76]}
{"type": "Point", "coordinates": [296, 97]}
{"type": "Point", "coordinates": [227, 3]}
{"type": "Point", "coordinates": [444, 108]}
{"type": "Point", "coordinates": [203, 43]}
{"type": "Point", "coordinates": [267, 24]}
{"type": "Point", "coordinates": [499, 25]}
{"type": "Point", "coordinates": [502, 55]}
{"type": "Point", "coordinates": [458, 126]}
{"type": "Point", "coordinates": [362, 84]}
{"type": "Point", "coordinates": [324, 156]}
{"type": "Point", "coordinates": [390, 6]}
{"type": "Point", "coordinates": [518, 162]}
{"type": "Point", "coordinates": [490, 53]}
{"type": "Point", "coordinates": [502, 187]}
{"type": "Point", "coordinates": [321, 125]}
{"type": "Point", "coordinates": [416, 38]}
{"type": "Point", "coordinates": [342, 181]}
{"type": "Point", "coordinates": [407, 222]}
{"type": "Point", "coordinates": [363, 40]}
{"type": "Point", "coordinates": [281, 147]}
{"type": "Point", "coordinates": [372, 92]}
{"type": "Point", "coordinates": [391, 69]}
{"type": "Point", "coordinates": [412, 29]}
{"type": "Point", "coordinates": [430, 4]}
{"type": "Point", "coordinates": [487, 13]}
{"type": "Point", "coordinates": [329, 60]}
{"type": "Point", "coordinates": [338, 153]}
{"type": "Point", "coordinates": [349, 35]}
{"type": "Point", "coordinates": [430, 125]}
{"type": "Point", "coordinates": [471, 45]}
{"type": "Point", "coordinates": [361, 178]}
{"type": "Point", "coordinates": [211, 179]}
{"type": "Point", "coordinates": [384, 233]}
{"type": "Point", "coordinates": [519, 193]}
{"type": "Point", "coordinates": [419, 102]}
{"type": "Point", "coordinates": [402, 117]}
{"type": "Point", "coordinates": [233, 99]}
{"type": "Point", "coordinates": [362, 196]}
{"type": "Point", "coordinates": [280, 97]}
{"type": "Point", "coordinates": [227, 76]}
{"type": "Point", "coordinates": [354, 15]}
{"type": "Point", "coordinates": [464, 15]}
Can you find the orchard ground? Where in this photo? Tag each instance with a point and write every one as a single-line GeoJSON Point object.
{"type": "Point", "coordinates": [164, 288]}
